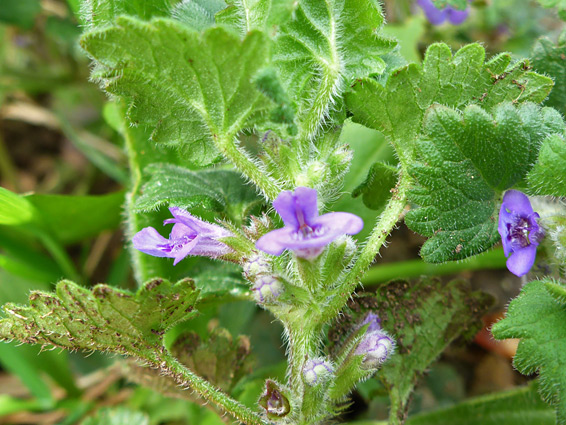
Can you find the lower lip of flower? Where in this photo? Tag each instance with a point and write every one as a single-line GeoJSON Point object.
{"type": "Point", "coordinates": [306, 232]}
{"type": "Point", "coordinates": [176, 245]}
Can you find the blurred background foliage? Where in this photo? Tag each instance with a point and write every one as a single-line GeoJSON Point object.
{"type": "Point", "coordinates": [63, 176]}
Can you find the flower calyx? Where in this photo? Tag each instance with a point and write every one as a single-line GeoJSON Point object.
{"type": "Point", "coordinates": [274, 400]}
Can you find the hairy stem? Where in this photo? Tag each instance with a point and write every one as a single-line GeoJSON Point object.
{"type": "Point", "coordinates": [169, 365]}
{"type": "Point", "coordinates": [241, 160]}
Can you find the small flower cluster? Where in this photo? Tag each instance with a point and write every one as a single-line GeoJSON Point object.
{"type": "Point", "coordinates": [438, 16]}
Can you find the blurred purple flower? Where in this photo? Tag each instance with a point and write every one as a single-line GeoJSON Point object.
{"type": "Point", "coordinates": [305, 232]}
{"type": "Point", "coordinates": [438, 16]}
{"type": "Point", "coordinates": [520, 232]}
{"type": "Point", "coordinates": [189, 236]}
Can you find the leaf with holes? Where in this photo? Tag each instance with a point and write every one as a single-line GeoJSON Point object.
{"type": "Point", "coordinates": [465, 162]}
{"type": "Point", "coordinates": [104, 319]}
{"type": "Point", "coordinates": [323, 49]}
{"type": "Point", "coordinates": [197, 87]}
{"type": "Point", "coordinates": [537, 317]}
{"type": "Point", "coordinates": [398, 108]}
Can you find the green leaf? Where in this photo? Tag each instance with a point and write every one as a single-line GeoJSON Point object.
{"type": "Point", "coordinates": [465, 162]}
{"type": "Point", "coordinates": [521, 406]}
{"type": "Point", "coordinates": [197, 88]}
{"type": "Point", "coordinates": [73, 218]}
{"type": "Point", "coordinates": [20, 12]}
{"type": "Point", "coordinates": [222, 191]}
{"type": "Point", "coordinates": [376, 189]}
{"type": "Point", "coordinates": [424, 319]}
{"type": "Point", "coordinates": [197, 14]}
{"type": "Point", "coordinates": [102, 13]}
{"type": "Point", "coordinates": [547, 175]}
{"type": "Point", "coordinates": [550, 59]}
{"type": "Point", "coordinates": [103, 319]}
{"type": "Point", "coordinates": [15, 209]}
{"type": "Point", "coordinates": [559, 4]}
{"type": "Point", "coordinates": [323, 49]}
{"type": "Point", "coordinates": [117, 416]}
{"type": "Point", "coordinates": [537, 318]}
{"type": "Point", "coordinates": [244, 16]}
{"type": "Point", "coordinates": [398, 108]}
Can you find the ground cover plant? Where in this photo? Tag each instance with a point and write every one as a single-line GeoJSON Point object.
{"type": "Point", "coordinates": [258, 158]}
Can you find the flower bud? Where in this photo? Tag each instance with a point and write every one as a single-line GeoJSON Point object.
{"type": "Point", "coordinates": [256, 265]}
{"type": "Point", "coordinates": [376, 346]}
{"type": "Point", "coordinates": [374, 322]}
{"type": "Point", "coordinates": [317, 371]}
{"type": "Point", "coordinates": [274, 401]}
{"type": "Point", "coordinates": [267, 288]}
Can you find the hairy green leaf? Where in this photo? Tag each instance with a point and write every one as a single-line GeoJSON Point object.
{"type": "Point", "coordinates": [378, 186]}
{"type": "Point", "coordinates": [246, 15]}
{"type": "Point", "coordinates": [537, 317]}
{"type": "Point", "coordinates": [197, 14]}
{"type": "Point", "coordinates": [424, 318]}
{"type": "Point", "coordinates": [223, 191]}
{"type": "Point", "coordinates": [521, 406]}
{"type": "Point", "coordinates": [465, 162]}
{"type": "Point", "coordinates": [550, 59]}
{"type": "Point", "coordinates": [456, 81]}
{"type": "Point", "coordinates": [104, 319]}
{"type": "Point", "coordinates": [323, 49]}
{"type": "Point", "coordinates": [547, 176]}
{"type": "Point", "coordinates": [100, 13]}
{"type": "Point", "coordinates": [197, 87]}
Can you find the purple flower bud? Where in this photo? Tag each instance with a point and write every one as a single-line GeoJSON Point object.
{"type": "Point", "coordinates": [438, 16]}
{"type": "Point", "coordinates": [317, 371]}
{"type": "Point", "coordinates": [305, 232]}
{"type": "Point", "coordinates": [267, 288]}
{"type": "Point", "coordinates": [376, 347]}
{"type": "Point", "coordinates": [520, 232]}
{"type": "Point", "coordinates": [374, 322]}
{"type": "Point", "coordinates": [256, 265]}
{"type": "Point", "coordinates": [189, 236]}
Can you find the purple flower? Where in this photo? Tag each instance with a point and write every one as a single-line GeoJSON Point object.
{"type": "Point", "coordinates": [520, 232]}
{"type": "Point", "coordinates": [376, 346]}
{"type": "Point", "coordinates": [438, 16]}
{"type": "Point", "coordinates": [189, 236]}
{"type": "Point", "coordinates": [374, 322]}
{"type": "Point", "coordinates": [305, 232]}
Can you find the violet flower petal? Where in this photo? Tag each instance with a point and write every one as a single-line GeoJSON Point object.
{"type": "Point", "coordinates": [148, 241]}
{"type": "Point", "coordinates": [435, 16]}
{"type": "Point", "coordinates": [341, 222]}
{"type": "Point", "coordinates": [455, 16]}
{"type": "Point", "coordinates": [522, 260]}
{"type": "Point", "coordinates": [274, 242]}
{"type": "Point", "coordinates": [199, 226]}
{"type": "Point", "coordinates": [185, 250]}
{"type": "Point", "coordinates": [517, 202]}
{"type": "Point", "coordinates": [296, 207]}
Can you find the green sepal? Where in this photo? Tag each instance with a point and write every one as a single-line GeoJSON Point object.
{"type": "Point", "coordinates": [103, 319]}
{"type": "Point", "coordinates": [377, 188]}
{"type": "Point", "coordinates": [464, 163]}
{"type": "Point", "coordinates": [537, 317]}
